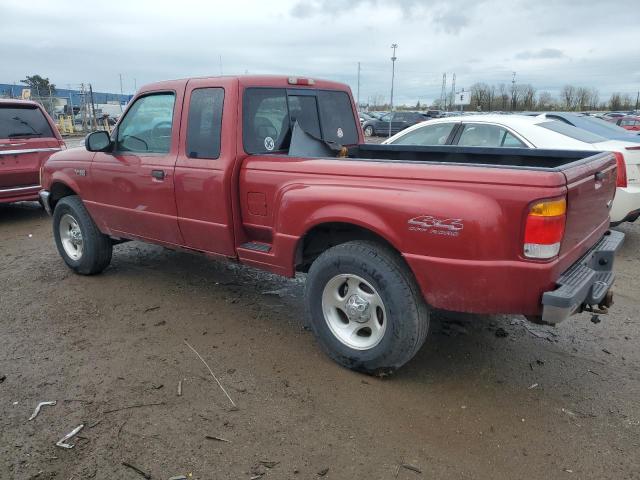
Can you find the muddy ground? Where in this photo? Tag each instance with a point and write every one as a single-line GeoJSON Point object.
{"type": "Point", "coordinates": [540, 403]}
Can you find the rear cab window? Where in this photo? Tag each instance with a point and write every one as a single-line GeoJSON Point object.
{"type": "Point", "coordinates": [24, 122]}
{"type": "Point", "coordinates": [269, 115]}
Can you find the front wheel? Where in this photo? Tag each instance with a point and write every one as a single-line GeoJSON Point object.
{"type": "Point", "coordinates": [81, 245]}
{"type": "Point", "coordinates": [365, 307]}
{"type": "Point", "coordinates": [369, 131]}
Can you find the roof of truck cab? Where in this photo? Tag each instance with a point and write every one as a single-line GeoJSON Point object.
{"type": "Point", "coordinates": [281, 81]}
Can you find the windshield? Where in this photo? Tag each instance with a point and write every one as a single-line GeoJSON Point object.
{"type": "Point", "coordinates": [572, 132]}
{"type": "Point", "coordinates": [21, 121]}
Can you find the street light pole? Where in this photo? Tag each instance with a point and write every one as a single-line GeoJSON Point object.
{"type": "Point", "coordinates": [394, 46]}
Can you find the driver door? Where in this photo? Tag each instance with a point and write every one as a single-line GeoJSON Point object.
{"type": "Point", "coordinates": [133, 185]}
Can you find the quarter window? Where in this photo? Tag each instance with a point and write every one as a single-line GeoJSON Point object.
{"type": "Point", "coordinates": [205, 123]}
{"type": "Point", "coordinates": [147, 126]}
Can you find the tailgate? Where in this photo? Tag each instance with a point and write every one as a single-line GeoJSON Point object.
{"type": "Point", "coordinates": [591, 186]}
{"type": "Point", "coordinates": [21, 159]}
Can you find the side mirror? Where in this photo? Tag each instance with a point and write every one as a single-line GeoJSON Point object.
{"type": "Point", "coordinates": [97, 141]}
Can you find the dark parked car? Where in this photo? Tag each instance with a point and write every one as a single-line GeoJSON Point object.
{"type": "Point", "coordinates": [399, 121]}
{"type": "Point", "coordinates": [365, 117]}
{"type": "Point", "coordinates": [595, 125]}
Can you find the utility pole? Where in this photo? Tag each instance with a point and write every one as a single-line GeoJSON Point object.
{"type": "Point", "coordinates": [220, 59]}
{"type": "Point", "coordinates": [513, 92]}
{"type": "Point", "coordinates": [121, 94]}
{"type": "Point", "coordinates": [637, 101]}
{"type": "Point", "coordinates": [93, 108]}
{"type": "Point", "coordinates": [358, 96]}
{"type": "Point", "coordinates": [394, 46]}
{"type": "Point", "coordinates": [443, 93]}
{"type": "Point", "coordinates": [453, 91]}
{"type": "Point", "coordinates": [135, 85]}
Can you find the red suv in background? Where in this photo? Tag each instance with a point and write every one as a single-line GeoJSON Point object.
{"type": "Point", "coordinates": [28, 137]}
{"type": "Point", "coordinates": [630, 122]}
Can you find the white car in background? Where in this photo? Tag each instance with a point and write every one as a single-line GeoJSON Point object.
{"type": "Point", "coordinates": [522, 131]}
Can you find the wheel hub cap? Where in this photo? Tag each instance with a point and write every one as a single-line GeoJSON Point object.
{"type": "Point", "coordinates": [357, 309]}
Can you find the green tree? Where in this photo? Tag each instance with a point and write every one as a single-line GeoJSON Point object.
{"type": "Point", "coordinates": [40, 86]}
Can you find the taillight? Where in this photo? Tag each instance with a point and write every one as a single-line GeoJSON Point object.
{"type": "Point", "coordinates": [545, 228]}
{"type": "Point", "coordinates": [621, 179]}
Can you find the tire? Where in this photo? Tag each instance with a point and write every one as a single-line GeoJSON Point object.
{"type": "Point", "coordinates": [369, 131]}
{"type": "Point", "coordinates": [402, 318]}
{"type": "Point", "coordinates": [86, 254]}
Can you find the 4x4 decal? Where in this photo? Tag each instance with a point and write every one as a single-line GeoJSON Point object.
{"type": "Point", "coordinates": [437, 226]}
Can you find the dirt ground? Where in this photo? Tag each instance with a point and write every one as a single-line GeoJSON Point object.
{"type": "Point", "coordinates": [540, 403]}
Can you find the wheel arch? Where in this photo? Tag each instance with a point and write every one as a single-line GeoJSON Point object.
{"type": "Point", "coordinates": [58, 191]}
{"type": "Point", "coordinates": [322, 236]}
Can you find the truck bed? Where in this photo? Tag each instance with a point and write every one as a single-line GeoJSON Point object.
{"type": "Point", "coordinates": [530, 159]}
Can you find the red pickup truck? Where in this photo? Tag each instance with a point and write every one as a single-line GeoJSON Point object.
{"type": "Point", "coordinates": [272, 172]}
{"type": "Point", "coordinates": [28, 137]}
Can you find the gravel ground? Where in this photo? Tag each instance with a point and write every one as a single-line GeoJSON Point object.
{"type": "Point", "coordinates": [538, 403]}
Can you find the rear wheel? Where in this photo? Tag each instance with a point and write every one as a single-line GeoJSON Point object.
{"type": "Point", "coordinates": [365, 307]}
{"type": "Point", "coordinates": [80, 244]}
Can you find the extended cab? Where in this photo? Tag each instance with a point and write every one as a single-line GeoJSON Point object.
{"type": "Point", "coordinates": [272, 172]}
{"type": "Point", "coordinates": [28, 137]}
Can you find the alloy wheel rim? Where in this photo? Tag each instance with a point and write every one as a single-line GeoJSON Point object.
{"type": "Point", "coordinates": [354, 311]}
{"type": "Point", "coordinates": [71, 237]}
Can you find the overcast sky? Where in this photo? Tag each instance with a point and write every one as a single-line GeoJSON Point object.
{"type": "Point", "coordinates": [591, 43]}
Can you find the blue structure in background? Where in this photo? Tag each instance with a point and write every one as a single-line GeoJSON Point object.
{"type": "Point", "coordinates": [15, 91]}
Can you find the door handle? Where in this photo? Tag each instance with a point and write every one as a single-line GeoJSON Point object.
{"type": "Point", "coordinates": [599, 176]}
{"type": "Point", "coordinates": [157, 174]}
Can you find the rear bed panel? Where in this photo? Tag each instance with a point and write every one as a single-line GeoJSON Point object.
{"type": "Point", "coordinates": [591, 187]}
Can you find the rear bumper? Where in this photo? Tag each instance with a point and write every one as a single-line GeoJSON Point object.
{"type": "Point", "coordinates": [19, 194]}
{"type": "Point", "coordinates": [586, 282]}
{"type": "Point", "coordinates": [626, 204]}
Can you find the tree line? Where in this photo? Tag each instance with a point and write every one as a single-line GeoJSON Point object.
{"type": "Point", "coordinates": [522, 97]}
{"type": "Point", "coordinates": [485, 97]}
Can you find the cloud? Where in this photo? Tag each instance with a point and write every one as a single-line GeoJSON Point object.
{"type": "Point", "coordinates": [451, 21]}
{"type": "Point", "coordinates": [479, 40]}
{"type": "Point", "coordinates": [545, 53]}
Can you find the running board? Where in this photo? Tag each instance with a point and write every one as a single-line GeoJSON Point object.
{"type": "Point", "coordinates": [257, 247]}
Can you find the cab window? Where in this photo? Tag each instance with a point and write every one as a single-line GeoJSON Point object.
{"type": "Point", "coordinates": [205, 123]}
{"type": "Point", "coordinates": [266, 120]}
{"type": "Point", "coordinates": [147, 126]}
{"type": "Point", "coordinates": [304, 110]}
{"type": "Point", "coordinates": [270, 113]}
{"type": "Point", "coordinates": [338, 122]}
